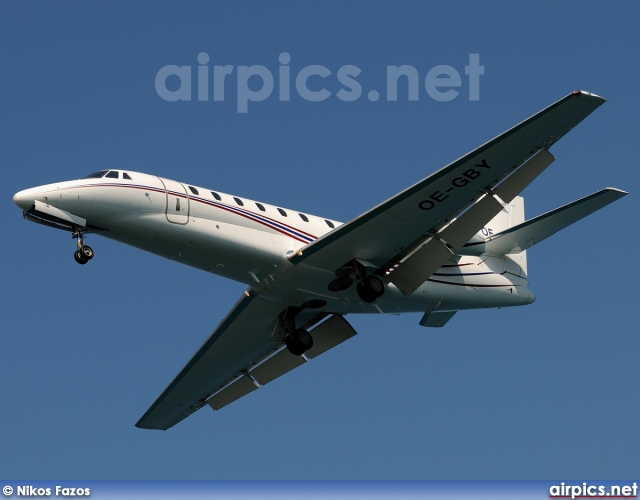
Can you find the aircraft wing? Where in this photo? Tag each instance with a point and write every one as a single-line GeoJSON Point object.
{"type": "Point", "coordinates": [408, 230]}
{"type": "Point", "coordinates": [241, 355]}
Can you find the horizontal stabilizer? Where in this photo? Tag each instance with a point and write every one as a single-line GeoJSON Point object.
{"type": "Point", "coordinates": [527, 234]}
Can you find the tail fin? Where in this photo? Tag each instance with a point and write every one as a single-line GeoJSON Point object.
{"type": "Point", "coordinates": [511, 217]}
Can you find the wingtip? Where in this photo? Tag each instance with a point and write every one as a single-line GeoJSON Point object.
{"type": "Point", "coordinates": [619, 192]}
{"type": "Point", "coordinates": [590, 94]}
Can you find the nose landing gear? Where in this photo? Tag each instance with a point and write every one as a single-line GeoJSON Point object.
{"type": "Point", "coordinates": [84, 253]}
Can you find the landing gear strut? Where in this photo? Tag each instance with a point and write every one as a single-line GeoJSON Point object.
{"type": "Point", "coordinates": [84, 253]}
{"type": "Point", "coordinates": [297, 340]}
{"type": "Point", "coordinates": [369, 287]}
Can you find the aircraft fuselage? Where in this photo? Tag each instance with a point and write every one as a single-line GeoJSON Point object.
{"type": "Point", "coordinates": [249, 242]}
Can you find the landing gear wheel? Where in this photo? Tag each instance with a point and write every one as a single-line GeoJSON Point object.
{"type": "Point", "coordinates": [366, 294]}
{"type": "Point", "coordinates": [299, 341]}
{"type": "Point", "coordinates": [86, 251]}
{"type": "Point", "coordinates": [80, 259]}
{"type": "Point", "coordinates": [370, 288]}
{"type": "Point", "coordinates": [374, 284]}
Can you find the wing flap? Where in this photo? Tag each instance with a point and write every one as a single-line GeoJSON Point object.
{"type": "Point", "coordinates": [414, 271]}
{"type": "Point", "coordinates": [237, 358]}
{"type": "Point", "coordinates": [276, 366]}
{"type": "Point", "coordinates": [436, 319]}
{"type": "Point", "coordinates": [242, 337]}
{"type": "Point", "coordinates": [242, 386]}
{"type": "Point", "coordinates": [398, 226]}
{"type": "Point", "coordinates": [418, 267]}
{"type": "Point", "coordinates": [327, 335]}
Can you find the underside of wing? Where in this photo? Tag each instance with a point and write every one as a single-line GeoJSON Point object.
{"type": "Point", "coordinates": [244, 352]}
{"type": "Point", "coordinates": [239, 339]}
{"type": "Point", "coordinates": [326, 335]}
{"type": "Point", "coordinates": [397, 232]}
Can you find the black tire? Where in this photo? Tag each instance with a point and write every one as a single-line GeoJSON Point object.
{"type": "Point", "coordinates": [79, 258]}
{"type": "Point", "coordinates": [365, 294]}
{"type": "Point", "coordinates": [87, 252]}
{"type": "Point", "coordinates": [304, 338]}
{"type": "Point", "coordinates": [299, 342]}
{"type": "Point", "coordinates": [293, 346]}
{"type": "Point", "coordinates": [374, 284]}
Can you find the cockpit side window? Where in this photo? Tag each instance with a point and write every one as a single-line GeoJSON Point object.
{"type": "Point", "coordinates": [113, 174]}
{"type": "Point", "coordinates": [96, 175]}
{"type": "Point", "coordinates": [126, 176]}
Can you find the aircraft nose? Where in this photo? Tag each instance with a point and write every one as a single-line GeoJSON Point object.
{"type": "Point", "coordinates": [24, 199]}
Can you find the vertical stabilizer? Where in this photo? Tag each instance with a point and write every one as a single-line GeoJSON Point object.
{"type": "Point", "coordinates": [511, 216]}
{"type": "Point", "coordinates": [516, 263]}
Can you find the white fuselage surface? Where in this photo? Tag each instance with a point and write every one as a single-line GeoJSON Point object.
{"type": "Point", "coordinates": [249, 242]}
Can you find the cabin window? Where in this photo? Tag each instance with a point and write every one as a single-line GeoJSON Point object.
{"type": "Point", "coordinates": [216, 196]}
{"type": "Point", "coordinates": [239, 201]}
{"type": "Point", "coordinates": [304, 217]}
{"type": "Point", "coordinates": [329, 223]}
{"type": "Point", "coordinates": [114, 174]}
{"type": "Point", "coordinates": [193, 190]}
{"type": "Point", "coordinates": [260, 206]}
{"type": "Point", "coordinates": [126, 176]}
{"type": "Point", "coordinates": [96, 175]}
{"type": "Point", "coordinates": [282, 212]}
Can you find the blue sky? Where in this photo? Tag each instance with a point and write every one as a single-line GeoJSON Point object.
{"type": "Point", "coordinates": [543, 391]}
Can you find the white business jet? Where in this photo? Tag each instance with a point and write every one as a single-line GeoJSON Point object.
{"type": "Point", "coordinates": [456, 240]}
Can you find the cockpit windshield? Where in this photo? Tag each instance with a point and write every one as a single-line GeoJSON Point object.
{"type": "Point", "coordinates": [96, 175]}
